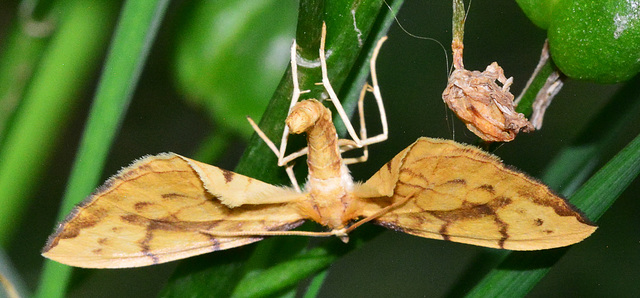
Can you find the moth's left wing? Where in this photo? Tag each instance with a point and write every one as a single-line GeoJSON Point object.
{"type": "Point", "coordinates": [158, 210]}
{"type": "Point", "coordinates": [462, 194]}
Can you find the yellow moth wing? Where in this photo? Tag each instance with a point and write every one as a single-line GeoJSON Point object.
{"type": "Point", "coordinates": [462, 194]}
{"type": "Point", "coordinates": [157, 210]}
{"type": "Point", "coordinates": [234, 189]}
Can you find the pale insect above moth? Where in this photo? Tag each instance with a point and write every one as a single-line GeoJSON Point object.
{"type": "Point", "coordinates": [168, 207]}
{"type": "Point", "coordinates": [487, 109]}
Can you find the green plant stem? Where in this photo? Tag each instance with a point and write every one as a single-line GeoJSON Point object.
{"type": "Point", "coordinates": [525, 106]}
{"type": "Point", "coordinates": [226, 272]}
{"type": "Point", "coordinates": [458, 20]}
{"type": "Point", "coordinates": [64, 71]}
{"type": "Point", "coordinates": [136, 31]}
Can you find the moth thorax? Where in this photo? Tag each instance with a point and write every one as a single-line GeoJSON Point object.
{"type": "Point", "coordinates": [334, 185]}
{"type": "Point", "coordinates": [332, 197]}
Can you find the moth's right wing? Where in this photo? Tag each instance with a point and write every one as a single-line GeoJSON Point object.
{"type": "Point", "coordinates": [445, 190]}
{"type": "Point", "coordinates": [163, 208]}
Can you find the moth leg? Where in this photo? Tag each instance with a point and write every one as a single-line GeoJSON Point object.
{"type": "Point", "coordinates": [544, 57]}
{"type": "Point", "coordinates": [272, 146]}
{"type": "Point", "coordinates": [363, 128]}
{"type": "Point", "coordinates": [332, 94]}
{"type": "Point", "coordinates": [295, 96]}
{"type": "Point", "coordinates": [375, 89]}
{"type": "Point", "coordinates": [280, 153]}
{"type": "Point", "coordinates": [339, 233]}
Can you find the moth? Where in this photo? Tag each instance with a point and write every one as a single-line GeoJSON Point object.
{"type": "Point", "coordinates": [168, 207]}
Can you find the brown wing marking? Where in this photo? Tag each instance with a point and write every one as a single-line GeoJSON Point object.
{"type": "Point", "coordinates": [463, 194]}
{"type": "Point", "coordinates": [155, 211]}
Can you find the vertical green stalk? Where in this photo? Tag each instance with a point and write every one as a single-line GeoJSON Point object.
{"type": "Point", "coordinates": [457, 24]}
{"type": "Point", "coordinates": [134, 36]}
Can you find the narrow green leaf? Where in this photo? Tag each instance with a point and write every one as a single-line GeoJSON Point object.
{"type": "Point", "coordinates": [570, 168]}
{"type": "Point", "coordinates": [316, 284]}
{"type": "Point", "coordinates": [63, 72]}
{"type": "Point", "coordinates": [521, 271]}
{"type": "Point", "coordinates": [136, 31]}
{"type": "Point", "coordinates": [20, 54]}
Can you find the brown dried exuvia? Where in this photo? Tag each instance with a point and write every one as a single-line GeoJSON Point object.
{"type": "Point", "coordinates": [484, 106]}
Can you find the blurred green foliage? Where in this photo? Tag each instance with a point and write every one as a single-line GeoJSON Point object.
{"type": "Point", "coordinates": [225, 66]}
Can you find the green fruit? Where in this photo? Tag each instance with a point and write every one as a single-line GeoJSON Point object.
{"type": "Point", "coordinates": [538, 11]}
{"type": "Point", "coordinates": [596, 40]}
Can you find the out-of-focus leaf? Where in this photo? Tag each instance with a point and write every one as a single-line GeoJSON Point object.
{"type": "Point", "coordinates": [63, 72]}
{"type": "Point", "coordinates": [229, 55]}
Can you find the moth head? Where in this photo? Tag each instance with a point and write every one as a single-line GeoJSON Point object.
{"type": "Point", "coordinates": [304, 115]}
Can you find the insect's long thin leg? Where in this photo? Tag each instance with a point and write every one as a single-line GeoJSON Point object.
{"type": "Point", "coordinates": [332, 94]}
{"type": "Point", "coordinates": [295, 96]}
{"type": "Point", "coordinates": [363, 128]}
{"type": "Point", "coordinates": [263, 136]}
{"type": "Point", "coordinates": [283, 160]}
{"type": "Point", "coordinates": [280, 153]}
{"type": "Point", "coordinates": [292, 178]}
{"type": "Point", "coordinates": [378, 96]}
{"type": "Point", "coordinates": [338, 233]}
{"type": "Point", "coordinates": [375, 89]}
{"type": "Point", "coordinates": [272, 146]}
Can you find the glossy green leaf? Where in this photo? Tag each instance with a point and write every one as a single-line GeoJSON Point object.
{"type": "Point", "coordinates": [279, 266]}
